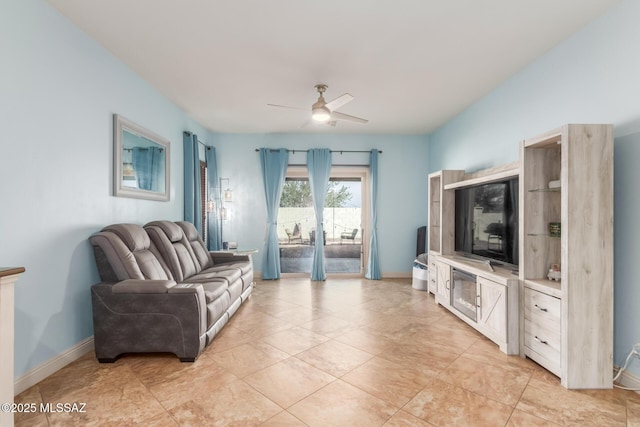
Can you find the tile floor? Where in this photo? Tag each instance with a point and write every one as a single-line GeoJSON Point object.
{"type": "Point", "coordinates": [346, 352]}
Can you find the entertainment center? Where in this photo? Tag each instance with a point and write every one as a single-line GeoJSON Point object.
{"type": "Point", "coordinates": [524, 252]}
{"type": "Point", "coordinates": [482, 294]}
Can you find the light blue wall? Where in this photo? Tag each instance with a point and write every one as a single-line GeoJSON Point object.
{"type": "Point", "coordinates": [592, 77]}
{"type": "Point", "coordinates": [402, 186]}
{"type": "Point", "coordinates": [59, 90]}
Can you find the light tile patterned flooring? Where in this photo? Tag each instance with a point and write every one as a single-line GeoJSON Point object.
{"type": "Point", "coordinates": [347, 352]}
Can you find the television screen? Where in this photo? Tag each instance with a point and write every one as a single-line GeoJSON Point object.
{"type": "Point", "coordinates": [486, 223]}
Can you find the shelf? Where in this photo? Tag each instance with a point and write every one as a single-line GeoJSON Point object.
{"type": "Point", "coordinates": [499, 176]}
{"type": "Point", "coordinates": [545, 190]}
{"type": "Point", "coordinates": [550, 138]}
{"type": "Point", "coordinates": [542, 235]}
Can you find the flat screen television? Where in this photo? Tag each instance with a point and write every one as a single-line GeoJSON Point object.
{"type": "Point", "coordinates": [486, 224]}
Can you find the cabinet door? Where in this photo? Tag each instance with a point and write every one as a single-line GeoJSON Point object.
{"type": "Point", "coordinates": [492, 309]}
{"type": "Point", "coordinates": [443, 283]}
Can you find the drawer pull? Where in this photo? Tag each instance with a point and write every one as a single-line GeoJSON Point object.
{"type": "Point", "coordinates": [540, 308]}
{"type": "Point", "coordinates": [540, 341]}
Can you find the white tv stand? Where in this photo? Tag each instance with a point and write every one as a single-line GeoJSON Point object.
{"type": "Point", "coordinates": [496, 298]}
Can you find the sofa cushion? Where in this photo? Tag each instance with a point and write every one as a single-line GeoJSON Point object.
{"type": "Point", "coordinates": [174, 248]}
{"type": "Point", "coordinates": [217, 308]}
{"type": "Point", "coordinates": [173, 232]}
{"type": "Point", "coordinates": [235, 290]}
{"type": "Point", "coordinates": [132, 235]}
{"type": "Point", "coordinates": [214, 289]}
{"type": "Point", "coordinates": [244, 266]}
{"type": "Point", "coordinates": [228, 274]}
{"type": "Point", "coordinates": [198, 248]}
{"type": "Point", "coordinates": [124, 251]}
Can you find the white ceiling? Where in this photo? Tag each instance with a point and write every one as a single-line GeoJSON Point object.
{"type": "Point", "coordinates": [410, 64]}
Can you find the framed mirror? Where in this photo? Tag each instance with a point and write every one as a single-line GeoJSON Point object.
{"type": "Point", "coordinates": [141, 162]}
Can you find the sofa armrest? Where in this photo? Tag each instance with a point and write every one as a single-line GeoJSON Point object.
{"type": "Point", "coordinates": [185, 288]}
{"type": "Point", "coordinates": [141, 287]}
{"type": "Point", "coordinates": [227, 257]}
{"type": "Point", "coordinates": [198, 290]}
{"type": "Point", "coordinates": [137, 286]}
{"type": "Point", "coordinates": [173, 321]}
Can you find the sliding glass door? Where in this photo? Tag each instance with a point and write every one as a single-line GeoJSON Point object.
{"type": "Point", "coordinates": [345, 215]}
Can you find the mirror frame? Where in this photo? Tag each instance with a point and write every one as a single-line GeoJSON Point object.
{"type": "Point", "coordinates": [120, 125]}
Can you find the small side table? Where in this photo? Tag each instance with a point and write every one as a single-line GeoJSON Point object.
{"type": "Point", "coordinates": [237, 251]}
{"type": "Point", "coordinates": [8, 277]}
{"type": "Point", "coordinates": [247, 252]}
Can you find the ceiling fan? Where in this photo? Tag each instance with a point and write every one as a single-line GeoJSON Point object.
{"type": "Point", "coordinates": [325, 112]}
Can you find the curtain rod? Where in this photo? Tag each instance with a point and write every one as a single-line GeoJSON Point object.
{"type": "Point", "coordinates": [333, 151]}
{"type": "Point", "coordinates": [341, 165]}
{"type": "Point", "coordinates": [142, 148]}
{"type": "Point", "coordinates": [186, 132]}
{"type": "Point", "coordinates": [294, 151]}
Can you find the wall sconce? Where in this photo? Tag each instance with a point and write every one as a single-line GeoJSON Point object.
{"type": "Point", "coordinates": [128, 172]}
{"type": "Point", "coordinates": [227, 195]}
{"type": "Point", "coordinates": [211, 206]}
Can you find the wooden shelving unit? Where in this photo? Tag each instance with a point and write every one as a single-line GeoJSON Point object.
{"type": "Point", "coordinates": [567, 325]}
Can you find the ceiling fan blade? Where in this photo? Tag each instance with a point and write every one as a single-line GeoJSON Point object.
{"type": "Point", "coordinates": [339, 102]}
{"type": "Point", "coordinates": [341, 116]}
{"type": "Point", "coordinates": [291, 108]}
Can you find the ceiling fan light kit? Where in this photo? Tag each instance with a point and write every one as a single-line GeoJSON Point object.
{"type": "Point", "coordinates": [325, 112]}
{"type": "Point", "coordinates": [320, 114]}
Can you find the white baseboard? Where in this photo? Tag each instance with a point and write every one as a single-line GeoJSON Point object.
{"type": "Point", "coordinates": [628, 380]}
{"type": "Point", "coordinates": [385, 275]}
{"type": "Point", "coordinates": [397, 275]}
{"type": "Point", "coordinates": [51, 366]}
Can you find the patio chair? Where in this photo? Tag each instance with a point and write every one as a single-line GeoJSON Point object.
{"type": "Point", "coordinates": [295, 235]}
{"type": "Point", "coordinates": [349, 235]}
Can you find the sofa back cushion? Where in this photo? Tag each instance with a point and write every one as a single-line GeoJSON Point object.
{"type": "Point", "coordinates": [124, 251]}
{"type": "Point", "coordinates": [174, 248]}
{"type": "Point", "coordinates": [198, 247]}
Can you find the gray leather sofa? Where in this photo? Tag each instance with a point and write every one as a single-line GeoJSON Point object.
{"type": "Point", "coordinates": [162, 290]}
